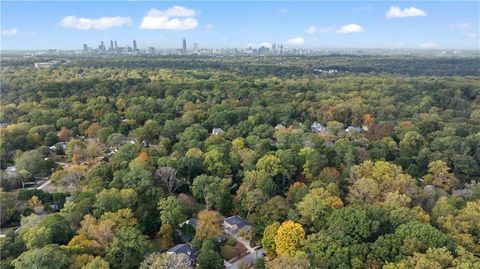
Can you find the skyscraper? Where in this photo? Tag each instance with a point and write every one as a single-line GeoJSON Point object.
{"type": "Point", "coordinates": [85, 47]}
{"type": "Point", "coordinates": [184, 46]}
{"type": "Point", "coordinates": [135, 45]}
{"type": "Point", "coordinates": [195, 46]}
{"type": "Point", "coordinates": [116, 48]}
{"type": "Point", "coordinates": [102, 47]}
{"type": "Point", "coordinates": [111, 45]}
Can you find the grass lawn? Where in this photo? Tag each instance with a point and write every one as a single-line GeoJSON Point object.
{"type": "Point", "coordinates": [6, 230]}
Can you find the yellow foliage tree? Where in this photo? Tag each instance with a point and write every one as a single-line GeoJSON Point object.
{"type": "Point", "coordinates": [209, 225]}
{"type": "Point", "coordinates": [289, 238]}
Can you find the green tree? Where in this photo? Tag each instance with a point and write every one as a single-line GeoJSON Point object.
{"type": "Point", "coordinates": [48, 257]}
{"type": "Point", "coordinates": [208, 257]}
{"type": "Point", "coordinates": [215, 163]}
{"type": "Point", "coordinates": [268, 240]}
{"type": "Point", "coordinates": [166, 261]}
{"type": "Point", "coordinates": [127, 249]}
{"type": "Point", "coordinates": [97, 263]}
{"type": "Point", "coordinates": [351, 225]}
{"type": "Point", "coordinates": [111, 200]}
{"type": "Point", "coordinates": [317, 205]}
{"type": "Point", "coordinates": [8, 207]}
{"type": "Point", "coordinates": [33, 162]}
{"type": "Point", "coordinates": [172, 211]}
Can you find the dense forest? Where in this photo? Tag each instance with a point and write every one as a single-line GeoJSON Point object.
{"type": "Point", "coordinates": [375, 165]}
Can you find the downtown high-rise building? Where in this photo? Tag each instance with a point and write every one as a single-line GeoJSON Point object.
{"type": "Point", "coordinates": [111, 45]}
{"type": "Point", "coordinates": [135, 45]}
{"type": "Point", "coordinates": [184, 46]}
{"type": "Point", "coordinates": [102, 47]}
{"type": "Point", "coordinates": [195, 46]}
{"type": "Point", "coordinates": [85, 47]}
{"type": "Point", "coordinates": [115, 48]}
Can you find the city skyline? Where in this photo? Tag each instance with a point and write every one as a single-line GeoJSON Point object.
{"type": "Point", "coordinates": [301, 25]}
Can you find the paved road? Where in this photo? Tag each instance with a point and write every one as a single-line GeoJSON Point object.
{"type": "Point", "coordinates": [44, 184]}
{"type": "Point", "coordinates": [249, 259]}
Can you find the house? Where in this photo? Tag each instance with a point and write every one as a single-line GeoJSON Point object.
{"type": "Point", "coordinates": [280, 127]}
{"type": "Point", "coordinates": [467, 193]}
{"type": "Point", "coordinates": [353, 129]}
{"type": "Point", "coordinates": [217, 131]}
{"type": "Point", "coordinates": [186, 249]}
{"type": "Point", "coordinates": [192, 222]}
{"type": "Point", "coordinates": [187, 230]}
{"type": "Point", "coordinates": [232, 225]}
{"type": "Point", "coordinates": [317, 128]}
{"type": "Point", "coordinates": [46, 64]}
{"type": "Point", "coordinates": [11, 171]}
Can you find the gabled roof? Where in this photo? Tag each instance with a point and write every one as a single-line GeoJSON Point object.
{"type": "Point", "coordinates": [185, 249]}
{"type": "Point", "coordinates": [237, 220]}
{"type": "Point", "coordinates": [192, 222]}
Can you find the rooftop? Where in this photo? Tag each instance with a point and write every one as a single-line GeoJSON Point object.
{"type": "Point", "coordinates": [237, 220]}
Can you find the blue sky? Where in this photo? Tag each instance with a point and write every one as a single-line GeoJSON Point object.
{"type": "Point", "coordinates": [317, 24]}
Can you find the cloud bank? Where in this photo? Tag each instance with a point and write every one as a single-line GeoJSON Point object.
{"type": "Point", "coordinates": [174, 18]}
{"type": "Point", "coordinates": [102, 23]}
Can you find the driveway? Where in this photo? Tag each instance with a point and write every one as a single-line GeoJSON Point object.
{"type": "Point", "coordinates": [249, 259]}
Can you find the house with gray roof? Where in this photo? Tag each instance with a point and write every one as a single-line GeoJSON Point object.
{"type": "Point", "coordinates": [186, 249]}
{"type": "Point", "coordinates": [234, 224]}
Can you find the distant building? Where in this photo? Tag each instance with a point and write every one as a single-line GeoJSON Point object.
{"type": "Point", "coordinates": [46, 64]}
{"type": "Point", "coordinates": [353, 129]}
{"type": "Point", "coordinates": [186, 249]}
{"type": "Point", "coordinates": [102, 47]}
{"type": "Point", "coordinates": [317, 128]}
{"type": "Point", "coordinates": [217, 131]}
{"type": "Point", "coordinates": [151, 50]}
{"type": "Point", "coordinates": [85, 47]}
{"type": "Point", "coordinates": [234, 224]}
{"type": "Point", "coordinates": [184, 46]}
{"type": "Point", "coordinates": [111, 45]}
{"type": "Point", "coordinates": [195, 46]}
{"type": "Point", "coordinates": [115, 45]}
{"type": "Point", "coordinates": [135, 45]}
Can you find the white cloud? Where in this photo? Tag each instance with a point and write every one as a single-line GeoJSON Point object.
{"type": "Point", "coordinates": [314, 29]}
{"type": "Point", "coordinates": [396, 12]}
{"type": "Point", "coordinates": [174, 18]}
{"type": "Point", "coordinates": [175, 11]}
{"type": "Point", "coordinates": [461, 26]}
{"type": "Point", "coordinates": [102, 23]}
{"type": "Point", "coordinates": [428, 45]}
{"type": "Point", "coordinates": [297, 41]}
{"type": "Point", "coordinates": [12, 31]}
{"type": "Point", "coordinates": [350, 28]}
{"type": "Point", "coordinates": [311, 30]}
{"type": "Point", "coordinates": [209, 26]}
